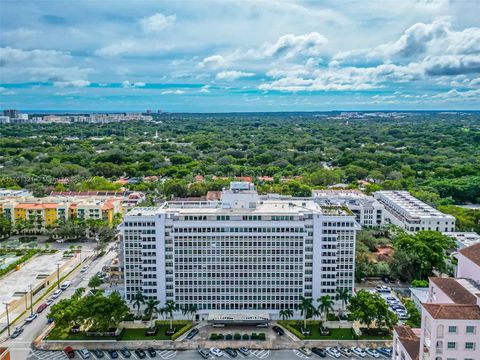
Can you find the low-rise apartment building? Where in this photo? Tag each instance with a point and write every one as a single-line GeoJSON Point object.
{"type": "Point", "coordinates": [450, 327]}
{"type": "Point", "coordinates": [411, 214]}
{"type": "Point", "coordinates": [240, 254]}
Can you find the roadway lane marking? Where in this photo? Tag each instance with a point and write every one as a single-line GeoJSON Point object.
{"type": "Point", "coordinates": [167, 354]}
{"type": "Point", "coordinates": [300, 354]}
{"type": "Point", "coordinates": [261, 354]}
{"type": "Point", "coordinates": [49, 355]}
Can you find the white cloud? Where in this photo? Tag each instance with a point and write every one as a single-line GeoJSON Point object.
{"type": "Point", "coordinates": [128, 84]}
{"type": "Point", "coordinates": [18, 57]}
{"type": "Point", "coordinates": [73, 83]}
{"type": "Point", "coordinates": [157, 22]}
{"type": "Point", "coordinates": [290, 45]}
{"type": "Point", "coordinates": [173, 92]}
{"type": "Point", "coordinates": [459, 95]}
{"type": "Point", "coordinates": [231, 75]}
{"type": "Point", "coordinates": [214, 61]}
{"type": "Point", "coordinates": [134, 48]}
{"type": "Point", "coordinates": [204, 89]}
{"type": "Point", "coordinates": [452, 64]}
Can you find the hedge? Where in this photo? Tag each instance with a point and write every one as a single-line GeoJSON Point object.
{"type": "Point", "coordinates": [290, 328]}
{"type": "Point", "coordinates": [182, 331]}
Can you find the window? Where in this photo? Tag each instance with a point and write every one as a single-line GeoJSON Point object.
{"type": "Point", "coordinates": [452, 345]}
{"type": "Point", "coordinates": [470, 329]}
{"type": "Point", "coordinates": [452, 329]}
{"type": "Point", "coordinates": [469, 346]}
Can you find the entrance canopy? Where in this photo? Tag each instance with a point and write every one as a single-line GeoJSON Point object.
{"type": "Point", "coordinates": [240, 318]}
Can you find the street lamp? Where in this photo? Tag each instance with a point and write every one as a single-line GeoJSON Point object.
{"type": "Point", "coordinates": [26, 300]}
{"type": "Point", "coordinates": [31, 299]}
{"type": "Point", "coordinates": [8, 320]}
{"type": "Point", "coordinates": [58, 276]}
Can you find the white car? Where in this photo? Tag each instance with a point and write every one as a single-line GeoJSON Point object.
{"type": "Point", "coordinates": [60, 241]}
{"type": "Point", "coordinates": [383, 289]}
{"type": "Point", "coordinates": [216, 352]}
{"type": "Point", "coordinates": [372, 352]}
{"type": "Point", "coordinates": [31, 317]}
{"type": "Point", "coordinates": [65, 285]}
{"type": "Point", "coordinates": [358, 351]}
{"type": "Point", "coordinates": [56, 294]}
{"type": "Point", "coordinates": [333, 352]}
{"type": "Point", "coordinates": [84, 268]}
{"type": "Point", "coordinates": [49, 302]}
{"type": "Point", "coordinates": [345, 351]}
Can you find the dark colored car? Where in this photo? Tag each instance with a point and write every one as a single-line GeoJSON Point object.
{"type": "Point", "coordinates": [319, 351]}
{"type": "Point", "coordinates": [17, 332]}
{"type": "Point", "coordinates": [125, 352]}
{"type": "Point", "coordinates": [278, 330]}
{"type": "Point", "coordinates": [385, 351]}
{"type": "Point", "coordinates": [140, 353]}
{"type": "Point", "coordinates": [192, 333]}
{"type": "Point", "coordinates": [231, 352]}
{"type": "Point", "coordinates": [113, 354]}
{"type": "Point", "coordinates": [151, 352]}
{"type": "Point", "coordinates": [69, 352]}
{"type": "Point", "coordinates": [41, 308]}
{"type": "Point", "coordinates": [98, 353]}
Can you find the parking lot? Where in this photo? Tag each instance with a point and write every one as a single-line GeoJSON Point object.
{"type": "Point", "coordinates": [191, 354]}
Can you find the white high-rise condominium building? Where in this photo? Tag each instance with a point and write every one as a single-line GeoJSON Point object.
{"type": "Point", "coordinates": [411, 214]}
{"type": "Point", "coordinates": [239, 254]}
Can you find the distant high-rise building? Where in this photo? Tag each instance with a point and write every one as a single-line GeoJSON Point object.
{"type": "Point", "coordinates": [11, 113]}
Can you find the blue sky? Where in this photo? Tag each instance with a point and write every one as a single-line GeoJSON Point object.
{"type": "Point", "coordinates": [214, 56]}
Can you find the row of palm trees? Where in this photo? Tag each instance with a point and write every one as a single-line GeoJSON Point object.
{"type": "Point", "coordinates": [152, 307]}
{"type": "Point", "coordinates": [324, 308]}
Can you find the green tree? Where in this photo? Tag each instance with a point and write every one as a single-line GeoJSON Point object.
{"type": "Point", "coordinates": [285, 314]}
{"type": "Point", "coordinates": [95, 282]}
{"type": "Point", "coordinates": [371, 309]}
{"type": "Point", "coordinates": [138, 300]}
{"type": "Point", "coordinates": [151, 308]}
{"type": "Point", "coordinates": [325, 305]}
{"type": "Point", "coordinates": [169, 309]}
{"type": "Point", "coordinates": [306, 307]}
{"type": "Point", "coordinates": [343, 294]}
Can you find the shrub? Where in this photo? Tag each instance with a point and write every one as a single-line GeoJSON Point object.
{"type": "Point", "coordinates": [254, 336]}
{"type": "Point", "coordinates": [182, 331]}
{"type": "Point", "coordinates": [291, 327]}
{"type": "Point", "coordinates": [261, 336]}
{"type": "Point", "coordinates": [237, 336]}
{"type": "Point", "coordinates": [129, 317]}
{"type": "Point", "coordinates": [228, 337]}
{"type": "Point", "coordinates": [245, 337]}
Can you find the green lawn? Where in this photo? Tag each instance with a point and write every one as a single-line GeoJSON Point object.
{"type": "Point", "coordinates": [58, 333]}
{"type": "Point", "coordinates": [335, 334]}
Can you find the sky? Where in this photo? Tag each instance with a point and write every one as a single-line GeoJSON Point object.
{"type": "Point", "coordinates": [220, 56]}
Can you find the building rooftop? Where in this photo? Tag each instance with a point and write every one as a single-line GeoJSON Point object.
{"type": "Point", "coordinates": [453, 311]}
{"type": "Point", "coordinates": [410, 340]}
{"type": "Point", "coordinates": [464, 239]}
{"type": "Point", "coordinates": [411, 205]}
{"type": "Point", "coordinates": [459, 293]}
{"type": "Point", "coordinates": [472, 253]}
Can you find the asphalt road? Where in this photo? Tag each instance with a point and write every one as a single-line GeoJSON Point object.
{"type": "Point", "coordinates": [20, 347]}
{"type": "Point", "coordinates": [190, 355]}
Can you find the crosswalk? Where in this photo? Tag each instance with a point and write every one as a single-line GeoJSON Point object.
{"type": "Point", "coordinates": [261, 354]}
{"type": "Point", "coordinates": [49, 355]}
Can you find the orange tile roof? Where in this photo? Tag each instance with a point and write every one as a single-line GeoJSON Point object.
{"type": "Point", "coordinates": [39, 206]}
{"type": "Point", "coordinates": [453, 311]}
{"type": "Point", "coordinates": [454, 290]}
{"type": "Point", "coordinates": [409, 340]}
{"type": "Point", "coordinates": [472, 253]}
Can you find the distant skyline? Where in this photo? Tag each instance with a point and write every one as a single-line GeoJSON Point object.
{"type": "Point", "coordinates": [235, 56]}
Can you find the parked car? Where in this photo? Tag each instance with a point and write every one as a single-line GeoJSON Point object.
{"type": "Point", "coordinates": [140, 354]}
{"type": "Point", "coordinates": [49, 302]}
{"type": "Point", "coordinates": [151, 352]}
{"type": "Point", "coordinates": [383, 289]}
{"type": "Point", "coordinates": [319, 351]}
{"type": "Point", "coordinates": [192, 334]}
{"type": "Point", "coordinates": [216, 351]}
{"type": "Point", "coordinates": [305, 351]}
{"type": "Point", "coordinates": [75, 329]}
{"type": "Point", "coordinates": [231, 352]}
{"type": "Point", "coordinates": [262, 325]}
{"type": "Point", "coordinates": [113, 354]}
{"type": "Point", "coordinates": [278, 330]}
{"type": "Point", "coordinates": [60, 241]}
{"type": "Point", "coordinates": [84, 353]}
{"type": "Point", "coordinates": [69, 352]}
{"type": "Point", "coordinates": [125, 352]}
{"type": "Point", "coordinates": [41, 308]}
{"type": "Point", "coordinates": [385, 351]}
{"type": "Point", "coordinates": [50, 320]}
{"type": "Point", "coordinates": [204, 353]}
{"type": "Point", "coordinates": [305, 331]}
{"type": "Point", "coordinates": [16, 333]}
{"type": "Point", "coordinates": [333, 352]}
{"type": "Point", "coordinates": [244, 351]}
{"type": "Point", "coordinates": [84, 268]}
{"type": "Point", "coordinates": [358, 351]}
{"type": "Point", "coordinates": [372, 352]}
{"type": "Point", "coordinates": [31, 317]}
{"type": "Point", "coordinates": [56, 294]}
{"type": "Point", "coordinates": [398, 307]}
{"type": "Point", "coordinates": [345, 351]}
{"type": "Point", "coordinates": [65, 285]}
{"type": "Point", "coordinates": [98, 353]}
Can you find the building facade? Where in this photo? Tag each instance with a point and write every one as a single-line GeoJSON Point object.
{"type": "Point", "coordinates": [450, 328]}
{"type": "Point", "coordinates": [411, 214]}
{"type": "Point", "coordinates": [368, 211]}
{"type": "Point", "coordinates": [241, 253]}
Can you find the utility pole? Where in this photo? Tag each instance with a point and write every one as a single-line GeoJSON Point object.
{"type": "Point", "coordinates": [8, 320]}
{"type": "Point", "coordinates": [26, 300]}
{"type": "Point", "coordinates": [31, 299]}
{"type": "Point", "coordinates": [58, 276]}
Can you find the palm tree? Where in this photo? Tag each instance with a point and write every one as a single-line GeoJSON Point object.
{"type": "Point", "coordinates": [305, 307]}
{"type": "Point", "coordinates": [151, 308]}
{"type": "Point", "coordinates": [170, 307]}
{"type": "Point", "coordinates": [190, 310]}
{"type": "Point", "coordinates": [138, 300]}
{"type": "Point", "coordinates": [286, 314]}
{"type": "Point", "coordinates": [325, 305]}
{"type": "Point", "coordinates": [343, 294]}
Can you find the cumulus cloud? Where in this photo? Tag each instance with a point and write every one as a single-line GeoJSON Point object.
{"type": "Point", "coordinates": [459, 95]}
{"type": "Point", "coordinates": [173, 92]}
{"type": "Point", "coordinates": [134, 48]}
{"type": "Point", "coordinates": [19, 57]}
{"type": "Point", "coordinates": [157, 22]}
{"type": "Point", "coordinates": [128, 84]}
{"type": "Point", "coordinates": [233, 75]}
{"type": "Point", "coordinates": [452, 64]}
{"type": "Point", "coordinates": [214, 61]}
{"type": "Point", "coordinates": [73, 83]}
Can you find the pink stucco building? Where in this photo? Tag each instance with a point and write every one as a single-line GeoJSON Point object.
{"type": "Point", "coordinates": [450, 327]}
